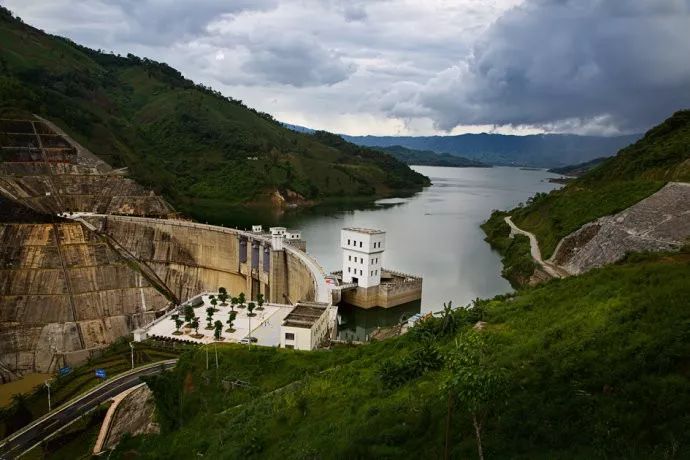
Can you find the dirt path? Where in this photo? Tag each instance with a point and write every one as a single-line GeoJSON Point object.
{"type": "Point", "coordinates": [550, 268]}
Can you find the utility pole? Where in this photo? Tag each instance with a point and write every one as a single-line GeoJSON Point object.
{"type": "Point", "coordinates": [206, 348]}
{"type": "Point", "coordinates": [47, 382]}
{"type": "Point", "coordinates": [131, 346]}
{"type": "Point", "coordinates": [215, 349]}
{"type": "Point", "coordinates": [250, 331]}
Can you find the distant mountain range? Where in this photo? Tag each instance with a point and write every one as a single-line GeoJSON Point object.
{"type": "Point", "coordinates": [539, 150]}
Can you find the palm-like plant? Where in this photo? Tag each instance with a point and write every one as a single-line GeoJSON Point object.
{"type": "Point", "coordinates": [260, 301]}
{"type": "Point", "coordinates": [449, 322]}
{"type": "Point", "coordinates": [250, 307]}
{"type": "Point", "coordinates": [241, 299]}
{"type": "Point", "coordinates": [214, 302]}
{"type": "Point", "coordinates": [178, 324]}
{"type": "Point", "coordinates": [195, 325]}
{"type": "Point", "coordinates": [234, 301]}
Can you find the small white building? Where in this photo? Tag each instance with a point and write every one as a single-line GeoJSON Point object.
{"type": "Point", "coordinates": [257, 229]}
{"type": "Point", "coordinates": [278, 230]}
{"type": "Point", "coordinates": [306, 326]}
{"type": "Point", "coordinates": [362, 255]}
{"type": "Point", "coordinates": [294, 235]}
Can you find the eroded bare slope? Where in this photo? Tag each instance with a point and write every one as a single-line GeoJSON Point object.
{"type": "Point", "coordinates": [660, 222]}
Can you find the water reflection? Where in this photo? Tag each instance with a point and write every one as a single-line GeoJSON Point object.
{"type": "Point", "coordinates": [357, 324]}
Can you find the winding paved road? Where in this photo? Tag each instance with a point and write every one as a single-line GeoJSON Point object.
{"type": "Point", "coordinates": [550, 268]}
{"type": "Point", "coordinates": [54, 421]}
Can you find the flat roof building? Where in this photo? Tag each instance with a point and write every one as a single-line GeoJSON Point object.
{"type": "Point", "coordinates": [306, 326]}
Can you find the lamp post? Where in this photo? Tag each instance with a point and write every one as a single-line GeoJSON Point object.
{"type": "Point", "coordinates": [47, 383]}
{"type": "Point", "coordinates": [250, 331]}
{"type": "Point", "coordinates": [131, 346]}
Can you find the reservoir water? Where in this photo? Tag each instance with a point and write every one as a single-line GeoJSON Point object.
{"type": "Point", "coordinates": [434, 233]}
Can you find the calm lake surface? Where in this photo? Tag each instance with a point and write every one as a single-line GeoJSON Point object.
{"type": "Point", "coordinates": [434, 233]}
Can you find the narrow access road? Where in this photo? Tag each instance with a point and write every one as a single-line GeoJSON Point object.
{"type": "Point", "coordinates": [550, 268]}
{"type": "Point", "coordinates": [25, 439]}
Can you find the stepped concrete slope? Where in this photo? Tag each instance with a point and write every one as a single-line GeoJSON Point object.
{"type": "Point", "coordinates": [660, 222]}
{"type": "Point", "coordinates": [64, 293]}
{"type": "Point", "coordinates": [51, 173]}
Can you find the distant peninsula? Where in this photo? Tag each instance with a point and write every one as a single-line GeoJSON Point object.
{"type": "Point", "coordinates": [430, 158]}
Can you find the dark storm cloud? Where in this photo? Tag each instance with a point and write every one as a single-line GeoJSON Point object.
{"type": "Point", "coordinates": [579, 65]}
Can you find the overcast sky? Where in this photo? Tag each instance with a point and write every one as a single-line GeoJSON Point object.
{"type": "Point", "coordinates": [409, 66]}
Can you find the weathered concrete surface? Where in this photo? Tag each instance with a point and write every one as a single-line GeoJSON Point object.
{"type": "Point", "coordinates": [660, 222]}
{"type": "Point", "coordinates": [64, 293]}
{"type": "Point", "coordinates": [191, 258]}
{"type": "Point", "coordinates": [395, 289]}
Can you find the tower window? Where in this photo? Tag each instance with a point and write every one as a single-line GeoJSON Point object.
{"type": "Point", "coordinates": [348, 269]}
{"type": "Point", "coordinates": [360, 244]}
{"type": "Point", "coordinates": [360, 272]}
{"type": "Point", "coordinates": [349, 258]}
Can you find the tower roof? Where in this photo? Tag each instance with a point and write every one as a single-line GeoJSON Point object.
{"type": "Point", "coordinates": [367, 231]}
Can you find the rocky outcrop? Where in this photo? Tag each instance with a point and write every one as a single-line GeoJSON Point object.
{"type": "Point", "coordinates": [660, 222]}
{"type": "Point", "coordinates": [134, 416]}
{"type": "Point", "coordinates": [64, 293]}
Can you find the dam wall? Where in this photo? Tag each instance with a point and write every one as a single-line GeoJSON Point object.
{"type": "Point", "coordinates": [191, 258]}
{"type": "Point", "coordinates": [64, 293]}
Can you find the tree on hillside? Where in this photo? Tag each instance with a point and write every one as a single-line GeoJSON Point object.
{"type": "Point", "coordinates": [195, 325]}
{"type": "Point", "coordinates": [234, 301]}
{"type": "Point", "coordinates": [241, 299]}
{"type": "Point", "coordinates": [473, 380]}
{"type": "Point", "coordinates": [260, 301]}
{"type": "Point", "coordinates": [217, 329]}
{"type": "Point", "coordinates": [250, 307]}
{"type": "Point", "coordinates": [214, 302]}
{"type": "Point", "coordinates": [178, 324]}
{"type": "Point", "coordinates": [230, 321]}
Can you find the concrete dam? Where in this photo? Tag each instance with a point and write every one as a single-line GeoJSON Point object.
{"type": "Point", "coordinates": [71, 287]}
{"type": "Point", "coordinates": [77, 290]}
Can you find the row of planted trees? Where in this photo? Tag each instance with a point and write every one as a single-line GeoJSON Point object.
{"type": "Point", "coordinates": [239, 302]}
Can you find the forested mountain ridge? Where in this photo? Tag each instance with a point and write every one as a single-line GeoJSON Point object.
{"type": "Point", "coordinates": [192, 144]}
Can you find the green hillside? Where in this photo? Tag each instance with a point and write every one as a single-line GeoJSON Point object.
{"type": "Point", "coordinates": [600, 374]}
{"type": "Point", "coordinates": [187, 141]}
{"type": "Point", "coordinates": [636, 172]}
{"type": "Point", "coordinates": [429, 158]}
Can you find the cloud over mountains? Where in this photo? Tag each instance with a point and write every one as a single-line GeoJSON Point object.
{"type": "Point", "coordinates": [409, 67]}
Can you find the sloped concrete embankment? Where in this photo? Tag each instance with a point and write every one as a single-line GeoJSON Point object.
{"type": "Point", "coordinates": [660, 222]}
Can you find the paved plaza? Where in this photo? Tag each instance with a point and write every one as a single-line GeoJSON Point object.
{"type": "Point", "coordinates": [265, 326]}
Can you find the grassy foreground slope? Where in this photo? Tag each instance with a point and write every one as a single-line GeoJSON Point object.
{"type": "Point", "coordinates": [600, 374]}
{"type": "Point", "coordinates": [636, 172]}
{"type": "Point", "coordinates": [184, 140]}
